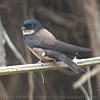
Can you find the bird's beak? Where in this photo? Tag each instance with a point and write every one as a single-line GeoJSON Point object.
{"type": "Point", "coordinates": [23, 28]}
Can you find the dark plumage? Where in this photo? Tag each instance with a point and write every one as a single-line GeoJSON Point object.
{"type": "Point", "coordinates": [38, 39]}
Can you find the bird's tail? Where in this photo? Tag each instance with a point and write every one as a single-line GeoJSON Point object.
{"type": "Point", "coordinates": [66, 60]}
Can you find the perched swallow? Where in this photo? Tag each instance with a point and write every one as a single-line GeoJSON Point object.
{"type": "Point", "coordinates": [46, 47]}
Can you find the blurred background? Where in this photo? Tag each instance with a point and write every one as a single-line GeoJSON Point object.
{"type": "Point", "coordinates": [72, 21]}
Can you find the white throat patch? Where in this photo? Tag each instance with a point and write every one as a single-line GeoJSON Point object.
{"type": "Point", "coordinates": [25, 32]}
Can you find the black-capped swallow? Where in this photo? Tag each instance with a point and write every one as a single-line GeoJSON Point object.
{"type": "Point", "coordinates": [45, 46]}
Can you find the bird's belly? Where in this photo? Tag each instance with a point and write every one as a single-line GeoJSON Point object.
{"type": "Point", "coordinates": [40, 53]}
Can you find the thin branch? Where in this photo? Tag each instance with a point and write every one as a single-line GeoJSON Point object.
{"type": "Point", "coordinates": [85, 77]}
{"type": "Point", "coordinates": [89, 84]}
{"type": "Point", "coordinates": [84, 92]}
{"type": "Point", "coordinates": [10, 44]}
{"type": "Point", "coordinates": [88, 61]}
{"type": "Point", "coordinates": [48, 66]}
{"type": "Point", "coordinates": [3, 92]}
{"type": "Point", "coordinates": [31, 85]}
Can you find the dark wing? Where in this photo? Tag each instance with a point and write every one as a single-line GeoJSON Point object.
{"type": "Point", "coordinates": [62, 47]}
{"type": "Point", "coordinates": [44, 39]}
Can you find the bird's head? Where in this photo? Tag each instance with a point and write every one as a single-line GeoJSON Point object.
{"type": "Point", "coordinates": [31, 26]}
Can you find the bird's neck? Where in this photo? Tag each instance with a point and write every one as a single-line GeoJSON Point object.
{"type": "Point", "coordinates": [28, 32]}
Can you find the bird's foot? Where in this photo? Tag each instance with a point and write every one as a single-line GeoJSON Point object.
{"type": "Point", "coordinates": [40, 62]}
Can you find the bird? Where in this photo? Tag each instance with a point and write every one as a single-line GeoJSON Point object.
{"type": "Point", "coordinates": [44, 45]}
